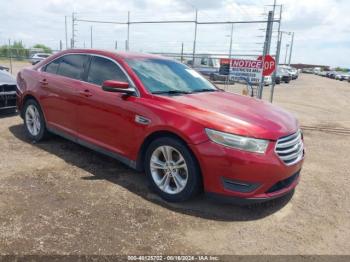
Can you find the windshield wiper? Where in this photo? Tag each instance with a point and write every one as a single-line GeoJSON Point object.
{"type": "Point", "coordinates": [204, 90]}
{"type": "Point", "coordinates": [172, 92]}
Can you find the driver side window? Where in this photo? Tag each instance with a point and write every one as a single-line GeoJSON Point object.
{"type": "Point", "coordinates": [102, 69]}
{"type": "Point", "coordinates": [52, 67]}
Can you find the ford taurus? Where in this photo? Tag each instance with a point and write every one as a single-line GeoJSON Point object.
{"type": "Point", "coordinates": [161, 117]}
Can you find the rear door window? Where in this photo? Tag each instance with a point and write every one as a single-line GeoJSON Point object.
{"type": "Point", "coordinates": [102, 69]}
{"type": "Point", "coordinates": [72, 66]}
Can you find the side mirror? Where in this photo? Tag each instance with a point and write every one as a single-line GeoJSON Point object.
{"type": "Point", "coordinates": [117, 87]}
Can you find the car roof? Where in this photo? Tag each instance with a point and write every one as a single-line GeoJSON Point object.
{"type": "Point", "coordinates": [121, 54]}
{"type": "Point", "coordinates": [108, 53]}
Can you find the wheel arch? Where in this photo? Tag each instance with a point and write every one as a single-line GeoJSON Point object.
{"type": "Point", "coordinates": [25, 99]}
{"type": "Point", "coordinates": [158, 134]}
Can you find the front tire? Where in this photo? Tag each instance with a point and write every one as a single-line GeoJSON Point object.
{"type": "Point", "coordinates": [172, 170]}
{"type": "Point", "coordinates": [34, 121]}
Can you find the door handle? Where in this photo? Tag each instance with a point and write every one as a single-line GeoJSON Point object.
{"type": "Point", "coordinates": [85, 93]}
{"type": "Point", "coordinates": [43, 82]}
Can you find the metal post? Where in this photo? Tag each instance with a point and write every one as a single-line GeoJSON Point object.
{"type": "Point", "coordinates": [274, 8]}
{"type": "Point", "coordinates": [277, 58]}
{"type": "Point", "coordinates": [195, 37]}
{"type": "Point", "coordinates": [285, 57]}
{"type": "Point", "coordinates": [229, 56]}
{"type": "Point", "coordinates": [266, 51]}
{"type": "Point", "coordinates": [90, 36]}
{"type": "Point", "coordinates": [231, 35]}
{"type": "Point", "coordinates": [182, 52]}
{"type": "Point", "coordinates": [73, 31]}
{"type": "Point", "coordinates": [10, 55]}
{"type": "Point", "coordinates": [277, 64]}
{"type": "Point", "coordinates": [128, 33]}
{"type": "Point", "coordinates": [66, 31]}
{"type": "Point", "coordinates": [291, 49]}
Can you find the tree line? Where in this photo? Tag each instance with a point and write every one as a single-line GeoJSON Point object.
{"type": "Point", "coordinates": [17, 50]}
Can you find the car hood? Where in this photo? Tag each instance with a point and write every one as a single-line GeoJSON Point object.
{"type": "Point", "coordinates": [235, 114]}
{"type": "Point", "coordinates": [6, 78]}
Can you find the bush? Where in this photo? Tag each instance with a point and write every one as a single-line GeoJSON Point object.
{"type": "Point", "coordinates": [17, 51]}
{"type": "Point", "coordinates": [45, 48]}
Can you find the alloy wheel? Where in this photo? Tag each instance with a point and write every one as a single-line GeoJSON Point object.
{"type": "Point", "coordinates": [169, 169]}
{"type": "Point", "coordinates": [32, 117]}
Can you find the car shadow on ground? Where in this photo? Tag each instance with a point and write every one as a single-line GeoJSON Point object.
{"type": "Point", "coordinates": [104, 168]}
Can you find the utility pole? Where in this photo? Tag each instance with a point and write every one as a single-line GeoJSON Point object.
{"type": "Point", "coordinates": [61, 45]}
{"type": "Point", "coordinates": [266, 50]}
{"type": "Point", "coordinates": [73, 30]}
{"type": "Point", "coordinates": [195, 37]}
{"type": "Point", "coordinates": [285, 57]}
{"type": "Point", "coordinates": [116, 45]}
{"type": "Point", "coordinates": [277, 58]}
{"type": "Point", "coordinates": [128, 33]}
{"type": "Point", "coordinates": [231, 37]}
{"type": "Point", "coordinates": [66, 31]}
{"type": "Point", "coordinates": [291, 49]}
{"type": "Point", "coordinates": [90, 36]}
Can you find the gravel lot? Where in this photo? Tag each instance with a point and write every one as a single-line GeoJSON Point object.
{"type": "Point", "coordinates": [57, 197]}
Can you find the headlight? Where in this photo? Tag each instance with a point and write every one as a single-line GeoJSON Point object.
{"type": "Point", "coordinates": [238, 142]}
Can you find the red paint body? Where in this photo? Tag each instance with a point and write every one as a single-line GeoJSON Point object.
{"type": "Point", "coordinates": [107, 120]}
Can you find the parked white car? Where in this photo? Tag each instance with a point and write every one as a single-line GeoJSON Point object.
{"type": "Point", "coordinates": [36, 58]}
{"type": "Point", "coordinates": [267, 80]}
{"type": "Point", "coordinates": [342, 76]}
{"type": "Point", "coordinates": [293, 72]}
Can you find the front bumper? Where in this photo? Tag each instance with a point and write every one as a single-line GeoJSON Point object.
{"type": "Point", "coordinates": [7, 100]}
{"type": "Point", "coordinates": [251, 177]}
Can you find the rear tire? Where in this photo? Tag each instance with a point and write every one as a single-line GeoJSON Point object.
{"type": "Point", "coordinates": [34, 121]}
{"type": "Point", "coordinates": [172, 170]}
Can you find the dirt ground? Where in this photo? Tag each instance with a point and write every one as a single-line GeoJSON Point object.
{"type": "Point", "coordinates": [57, 197]}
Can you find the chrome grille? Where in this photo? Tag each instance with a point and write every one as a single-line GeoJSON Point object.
{"type": "Point", "coordinates": [7, 88]}
{"type": "Point", "coordinates": [290, 149]}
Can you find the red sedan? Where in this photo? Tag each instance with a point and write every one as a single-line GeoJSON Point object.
{"type": "Point", "coordinates": [160, 116]}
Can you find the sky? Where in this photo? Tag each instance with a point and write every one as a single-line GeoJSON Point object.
{"type": "Point", "coordinates": [321, 27]}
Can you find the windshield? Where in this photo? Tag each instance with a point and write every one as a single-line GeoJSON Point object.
{"type": "Point", "coordinates": [167, 76]}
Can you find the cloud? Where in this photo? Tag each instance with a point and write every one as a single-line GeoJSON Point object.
{"type": "Point", "coordinates": [321, 27]}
